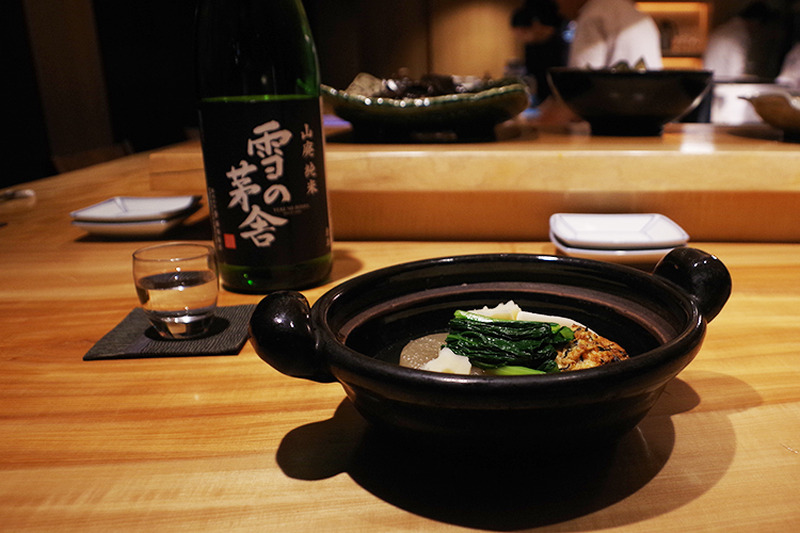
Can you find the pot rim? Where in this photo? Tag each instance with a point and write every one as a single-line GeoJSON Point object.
{"type": "Point", "coordinates": [345, 359]}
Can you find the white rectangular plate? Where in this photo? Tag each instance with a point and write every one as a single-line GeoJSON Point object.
{"type": "Point", "coordinates": [634, 256]}
{"type": "Point", "coordinates": [136, 208]}
{"type": "Point", "coordinates": [146, 228]}
{"type": "Point", "coordinates": [629, 231]}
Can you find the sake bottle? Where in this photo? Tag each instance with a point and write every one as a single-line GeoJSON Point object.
{"type": "Point", "coordinates": [263, 143]}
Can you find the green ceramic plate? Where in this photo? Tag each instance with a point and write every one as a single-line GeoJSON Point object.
{"type": "Point", "coordinates": [467, 115]}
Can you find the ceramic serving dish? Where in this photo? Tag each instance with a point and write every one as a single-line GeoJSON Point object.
{"type": "Point", "coordinates": [354, 333]}
{"type": "Point", "coordinates": [135, 217]}
{"type": "Point", "coordinates": [617, 231]}
{"type": "Point", "coordinates": [468, 116]}
{"type": "Point", "coordinates": [780, 109]}
{"type": "Point", "coordinates": [629, 238]}
{"type": "Point", "coordinates": [634, 256]}
{"type": "Point", "coordinates": [629, 102]}
{"type": "Point", "coordinates": [137, 209]}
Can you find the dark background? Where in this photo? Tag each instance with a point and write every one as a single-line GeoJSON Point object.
{"type": "Point", "coordinates": [25, 151]}
{"type": "Point", "coordinates": [146, 54]}
{"type": "Point", "coordinates": [145, 50]}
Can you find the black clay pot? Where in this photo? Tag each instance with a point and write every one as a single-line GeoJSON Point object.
{"type": "Point", "coordinates": [629, 103]}
{"type": "Point", "coordinates": [354, 333]}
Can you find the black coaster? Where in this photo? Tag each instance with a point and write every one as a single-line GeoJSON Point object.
{"type": "Point", "coordinates": [135, 338]}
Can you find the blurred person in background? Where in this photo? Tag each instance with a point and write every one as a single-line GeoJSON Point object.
{"type": "Point", "coordinates": [610, 31]}
{"type": "Point", "coordinates": [789, 75]}
{"type": "Point", "coordinates": [790, 67]}
{"type": "Point", "coordinates": [744, 50]}
{"type": "Point", "coordinates": [746, 45]}
{"type": "Point", "coordinates": [540, 28]}
{"type": "Point", "coordinates": [604, 33]}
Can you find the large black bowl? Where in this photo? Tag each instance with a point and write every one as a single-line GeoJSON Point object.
{"type": "Point", "coordinates": [629, 102]}
{"type": "Point", "coordinates": [354, 334]}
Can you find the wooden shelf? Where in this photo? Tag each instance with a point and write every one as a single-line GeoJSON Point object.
{"type": "Point", "coordinates": [684, 31]}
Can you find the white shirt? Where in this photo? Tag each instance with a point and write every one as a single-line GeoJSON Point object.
{"type": "Point", "coordinates": [790, 72]}
{"type": "Point", "coordinates": [610, 31]}
{"type": "Point", "coordinates": [726, 52]}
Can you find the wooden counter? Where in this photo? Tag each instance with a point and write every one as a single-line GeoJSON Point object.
{"type": "Point", "coordinates": [228, 444]}
{"type": "Point", "coordinates": [739, 184]}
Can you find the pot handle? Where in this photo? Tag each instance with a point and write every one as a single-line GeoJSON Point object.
{"type": "Point", "coordinates": [282, 334]}
{"type": "Point", "coordinates": [700, 274]}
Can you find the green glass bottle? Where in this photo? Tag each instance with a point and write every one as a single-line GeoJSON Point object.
{"type": "Point", "coordinates": [263, 144]}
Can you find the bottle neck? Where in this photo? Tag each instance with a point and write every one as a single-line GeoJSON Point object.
{"type": "Point", "coordinates": [261, 48]}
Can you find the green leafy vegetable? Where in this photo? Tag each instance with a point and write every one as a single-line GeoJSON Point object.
{"type": "Point", "coordinates": [493, 344]}
{"type": "Point", "coordinates": [510, 370]}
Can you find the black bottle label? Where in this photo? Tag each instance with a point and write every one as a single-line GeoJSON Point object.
{"type": "Point", "coordinates": [265, 173]}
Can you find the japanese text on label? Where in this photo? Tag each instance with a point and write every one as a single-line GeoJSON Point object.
{"type": "Point", "coordinates": [266, 155]}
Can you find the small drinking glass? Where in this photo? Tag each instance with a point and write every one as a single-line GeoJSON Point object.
{"type": "Point", "coordinates": [177, 287]}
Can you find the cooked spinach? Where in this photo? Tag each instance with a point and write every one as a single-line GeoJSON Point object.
{"type": "Point", "coordinates": [492, 343]}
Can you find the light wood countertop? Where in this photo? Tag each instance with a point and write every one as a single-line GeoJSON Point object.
{"type": "Point", "coordinates": [729, 184]}
{"type": "Point", "coordinates": [229, 444]}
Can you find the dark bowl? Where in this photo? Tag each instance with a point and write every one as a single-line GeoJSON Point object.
{"type": "Point", "coordinates": [354, 333]}
{"type": "Point", "coordinates": [629, 103]}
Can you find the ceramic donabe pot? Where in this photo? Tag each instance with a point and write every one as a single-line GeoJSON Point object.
{"type": "Point", "coordinates": [354, 333]}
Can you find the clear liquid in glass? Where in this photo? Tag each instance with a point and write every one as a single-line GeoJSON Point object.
{"type": "Point", "coordinates": [179, 304]}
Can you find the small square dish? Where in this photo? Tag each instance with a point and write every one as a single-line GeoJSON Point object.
{"type": "Point", "coordinates": [137, 209]}
{"type": "Point", "coordinates": [628, 231]}
{"type": "Point", "coordinates": [129, 230]}
{"type": "Point", "coordinates": [631, 256]}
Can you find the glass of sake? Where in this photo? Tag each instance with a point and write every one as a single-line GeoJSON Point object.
{"type": "Point", "coordinates": [177, 286]}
